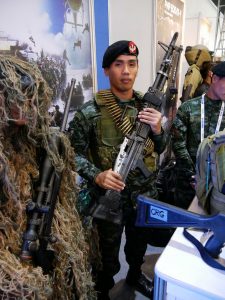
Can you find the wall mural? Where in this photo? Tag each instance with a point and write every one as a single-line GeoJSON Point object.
{"type": "Point", "coordinates": [56, 35]}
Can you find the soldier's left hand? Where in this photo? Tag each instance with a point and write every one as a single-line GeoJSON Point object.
{"type": "Point", "coordinates": [151, 117]}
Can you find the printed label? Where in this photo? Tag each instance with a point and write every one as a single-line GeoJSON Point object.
{"type": "Point", "coordinates": [158, 213]}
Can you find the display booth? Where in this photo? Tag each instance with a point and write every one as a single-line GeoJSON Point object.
{"type": "Point", "coordinates": [181, 273]}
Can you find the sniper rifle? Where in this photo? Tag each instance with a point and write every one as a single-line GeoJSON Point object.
{"type": "Point", "coordinates": [40, 211]}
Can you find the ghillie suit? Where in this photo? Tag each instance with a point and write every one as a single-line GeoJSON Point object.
{"type": "Point", "coordinates": [24, 134]}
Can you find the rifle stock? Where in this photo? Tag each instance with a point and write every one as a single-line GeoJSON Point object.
{"type": "Point", "coordinates": [131, 152]}
{"type": "Point", "coordinates": [40, 211]}
{"type": "Point", "coordinates": [154, 213]}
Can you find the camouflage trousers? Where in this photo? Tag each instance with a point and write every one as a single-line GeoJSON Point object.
{"type": "Point", "coordinates": [109, 243]}
{"type": "Point", "coordinates": [110, 235]}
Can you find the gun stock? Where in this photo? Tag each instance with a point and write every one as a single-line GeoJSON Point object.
{"type": "Point", "coordinates": [154, 213]}
{"type": "Point", "coordinates": [40, 211]}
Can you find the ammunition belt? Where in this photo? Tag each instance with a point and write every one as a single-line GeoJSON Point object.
{"type": "Point", "coordinates": [122, 122]}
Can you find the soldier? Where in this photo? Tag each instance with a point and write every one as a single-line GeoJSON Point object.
{"type": "Point", "coordinates": [61, 269]}
{"type": "Point", "coordinates": [57, 117]}
{"type": "Point", "coordinates": [197, 118]}
{"type": "Point", "coordinates": [96, 138]}
{"type": "Point", "coordinates": [195, 56]}
{"type": "Point", "coordinates": [206, 73]}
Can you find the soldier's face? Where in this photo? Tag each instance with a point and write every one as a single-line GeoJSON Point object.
{"type": "Point", "coordinates": [219, 87]}
{"type": "Point", "coordinates": [122, 72]}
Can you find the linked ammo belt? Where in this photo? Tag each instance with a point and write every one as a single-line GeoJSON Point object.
{"type": "Point", "coordinates": [121, 121]}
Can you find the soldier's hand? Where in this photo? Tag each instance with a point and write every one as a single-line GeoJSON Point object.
{"type": "Point", "coordinates": [151, 117]}
{"type": "Point", "coordinates": [110, 180]}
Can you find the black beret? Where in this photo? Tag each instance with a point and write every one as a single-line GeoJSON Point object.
{"type": "Point", "coordinates": [219, 69]}
{"type": "Point", "coordinates": [117, 49]}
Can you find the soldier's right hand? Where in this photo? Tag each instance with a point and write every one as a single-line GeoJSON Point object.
{"type": "Point", "coordinates": [110, 180]}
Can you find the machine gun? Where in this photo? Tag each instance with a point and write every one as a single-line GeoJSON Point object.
{"type": "Point", "coordinates": [154, 213]}
{"type": "Point", "coordinates": [40, 211]}
{"type": "Point", "coordinates": [171, 92]}
{"type": "Point", "coordinates": [165, 178]}
{"type": "Point", "coordinates": [131, 152]}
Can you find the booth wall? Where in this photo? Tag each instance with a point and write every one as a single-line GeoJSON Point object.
{"type": "Point", "coordinates": [129, 19]}
{"type": "Point", "coordinates": [199, 27]}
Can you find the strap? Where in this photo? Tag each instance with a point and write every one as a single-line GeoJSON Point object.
{"type": "Point", "coordinates": [204, 254]}
{"type": "Point", "coordinates": [208, 172]}
{"type": "Point", "coordinates": [197, 56]}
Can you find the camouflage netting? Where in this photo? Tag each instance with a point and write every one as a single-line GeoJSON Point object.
{"type": "Point", "coordinates": [24, 131]}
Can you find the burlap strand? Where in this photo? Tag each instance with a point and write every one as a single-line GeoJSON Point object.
{"type": "Point", "coordinates": [24, 95]}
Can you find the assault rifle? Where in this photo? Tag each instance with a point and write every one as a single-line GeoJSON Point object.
{"type": "Point", "coordinates": [40, 211]}
{"type": "Point", "coordinates": [165, 177]}
{"type": "Point", "coordinates": [131, 152]}
{"type": "Point", "coordinates": [154, 213]}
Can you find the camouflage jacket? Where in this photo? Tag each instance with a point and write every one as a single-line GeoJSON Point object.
{"type": "Point", "coordinates": [186, 129]}
{"type": "Point", "coordinates": [94, 148]}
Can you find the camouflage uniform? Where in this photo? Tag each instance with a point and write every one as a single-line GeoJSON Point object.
{"type": "Point", "coordinates": [58, 118]}
{"type": "Point", "coordinates": [186, 137]}
{"type": "Point", "coordinates": [96, 140]}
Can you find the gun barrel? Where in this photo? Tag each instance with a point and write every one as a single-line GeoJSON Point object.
{"type": "Point", "coordinates": [162, 73]}
{"type": "Point", "coordinates": [41, 212]}
{"type": "Point", "coordinates": [67, 108]}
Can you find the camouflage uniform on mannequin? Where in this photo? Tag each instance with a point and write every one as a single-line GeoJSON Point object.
{"type": "Point", "coordinates": [186, 132]}
{"type": "Point", "coordinates": [24, 100]}
{"type": "Point", "coordinates": [195, 56]}
{"type": "Point", "coordinates": [96, 138]}
{"type": "Point", "coordinates": [57, 117]}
